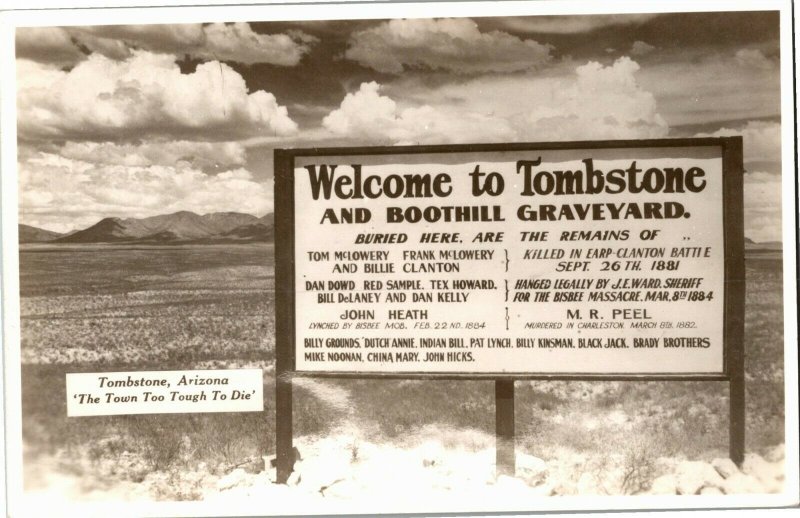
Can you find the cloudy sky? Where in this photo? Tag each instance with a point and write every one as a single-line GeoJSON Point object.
{"type": "Point", "coordinates": [133, 121]}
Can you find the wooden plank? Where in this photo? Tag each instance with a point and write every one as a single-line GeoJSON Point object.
{"type": "Point", "coordinates": [718, 142]}
{"type": "Point", "coordinates": [284, 314]}
{"type": "Point", "coordinates": [284, 458]}
{"type": "Point", "coordinates": [516, 146]}
{"type": "Point", "coordinates": [504, 427]}
{"type": "Point", "coordinates": [484, 376]}
{"type": "Point", "coordinates": [733, 168]}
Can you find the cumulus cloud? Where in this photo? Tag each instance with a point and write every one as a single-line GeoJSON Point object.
{"type": "Point", "coordinates": [163, 38]}
{"type": "Point", "coordinates": [761, 139]}
{"type": "Point", "coordinates": [366, 114]}
{"type": "Point", "coordinates": [762, 206]}
{"type": "Point", "coordinates": [762, 189]}
{"type": "Point", "coordinates": [456, 45]}
{"type": "Point", "coordinates": [238, 42]}
{"type": "Point", "coordinates": [145, 95]}
{"type": "Point", "coordinates": [52, 45]}
{"type": "Point", "coordinates": [711, 85]}
{"type": "Point", "coordinates": [227, 42]}
{"type": "Point", "coordinates": [640, 48]}
{"type": "Point", "coordinates": [61, 194]}
{"type": "Point", "coordinates": [598, 102]}
{"type": "Point", "coordinates": [754, 59]}
{"type": "Point", "coordinates": [209, 157]}
{"type": "Point", "coordinates": [571, 24]}
{"type": "Point", "coordinates": [593, 102]}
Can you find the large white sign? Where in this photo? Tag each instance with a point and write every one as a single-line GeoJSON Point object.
{"type": "Point", "coordinates": [596, 261]}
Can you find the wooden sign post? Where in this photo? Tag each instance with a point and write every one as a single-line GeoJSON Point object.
{"type": "Point", "coordinates": [613, 260]}
{"type": "Point", "coordinates": [733, 214]}
{"type": "Point", "coordinates": [504, 427]}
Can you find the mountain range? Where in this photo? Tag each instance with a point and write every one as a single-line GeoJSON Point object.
{"type": "Point", "coordinates": [179, 227]}
{"type": "Point", "coordinates": [29, 234]}
{"type": "Point", "coordinates": [188, 227]}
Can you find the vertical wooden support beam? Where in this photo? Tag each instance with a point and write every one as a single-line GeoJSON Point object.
{"type": "Point", "coordinates": [284, 313]}
{"type": "Point", "coordinates": [284, 462]}
{"type": "Point", "coordinates": [504, 427]}
{"type": "Point", "coordinates": [737, 413]}
{"type": "Point", "coordinates": [733, 168]}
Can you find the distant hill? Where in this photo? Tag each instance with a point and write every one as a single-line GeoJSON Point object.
{"type": "Point", "coordinates": [183, 226]}
{"type": "Point", "coordinates": [766, 246]}
{"type": "Point", "coordinates": [29, 234]}
{"type": "Point", "coordinates": [188, 227]}
{"type": "Point", "coordinates": [252, 232]}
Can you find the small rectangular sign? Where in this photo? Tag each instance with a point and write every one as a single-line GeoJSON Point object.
{"type": "Point", "coordinates": [164, 392]}
{"type": "Point", "coordinates": [600, 259]}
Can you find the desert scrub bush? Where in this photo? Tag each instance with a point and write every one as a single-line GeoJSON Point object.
{"type": "Point", "coordinates": [397, 407]}
{"type": "Point", "coordinates": [178, 485]}
{"type": "Point", "coordinates": [225, 440]}
{"type": "Point", "coordinates": [106, 447]}
{"type": "Point", "coordinates": [312, 415]}
{"type": "Point", "coordinates": [157, 439]}
{"type": "Point", "coordinates": [354, 451]}
{"type": "Point", "coordinates": [639, 465]}
{"type": "Point", "coordinates": [186, 485]}
{"type": "Point", "coordinates": [149, 325]}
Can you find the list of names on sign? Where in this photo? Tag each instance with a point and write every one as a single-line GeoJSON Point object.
{"type": "Point", "coordinates": [573, 261]}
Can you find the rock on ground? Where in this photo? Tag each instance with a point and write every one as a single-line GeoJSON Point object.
{"type": "Point", "coordinates": [532, 470]}
{"type": "Point", "coordinates": [232, 479]}
{"type": "Point", "coordinates": [725, 467]}
{"type": "Point", "coordinates": [665, 485]}
{"type": "Point", "coordinates": [740, 483]}
{"type": "Point", "coordinates": [694, 475]}
{"type": "Point", "coordinates": [777, 454]}
{"type": "Point", "coordinates": [765, 472]}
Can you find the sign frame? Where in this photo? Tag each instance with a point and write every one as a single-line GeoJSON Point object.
{"type": "Point", "coordinates": [733, 243]}
{"type": "Point", "coordinates": [732, 309]}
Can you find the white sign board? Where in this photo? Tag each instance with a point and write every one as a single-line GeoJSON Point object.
{"type": "Point", "coordinates": [535, 261]}
{"type": "Point", "coordinates": [164, 392]}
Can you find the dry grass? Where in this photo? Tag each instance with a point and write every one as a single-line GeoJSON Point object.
{"type": "Point", "coordinates": [108, 309]}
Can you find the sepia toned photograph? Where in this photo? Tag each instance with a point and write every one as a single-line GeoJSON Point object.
{"type": "Point", "coordinates": [443, 259]}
